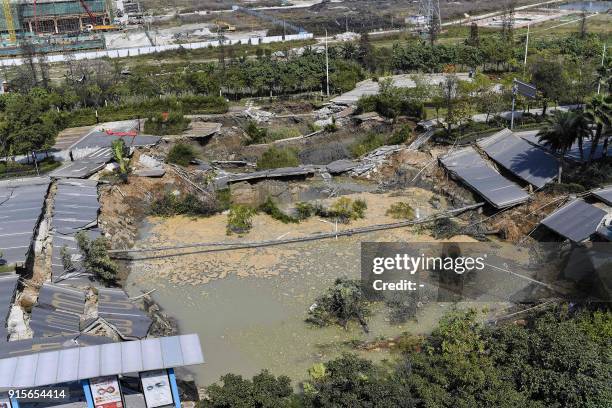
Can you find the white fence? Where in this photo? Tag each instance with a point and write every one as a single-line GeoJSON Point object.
{"type": "Point", "coordinates": [131, 52]}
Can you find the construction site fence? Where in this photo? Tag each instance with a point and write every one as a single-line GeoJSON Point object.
{"type": "Point", "coordinates": [136, 51]}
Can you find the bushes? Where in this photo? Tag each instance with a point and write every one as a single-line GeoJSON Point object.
{"type": "Point", "coordinates": [269, 207]}
{"type": "Point", "coordinates": [181, 154]}
{"type": "Point", "coordinates": [166, 124]}
{"type": "Point", "coordinates": [275, 157]}
{"type": "Point", "coordinates": [370, 142]}
{"type": "Point", "coordinates": [401, 211]}
{"type": "Point", "coordinates": [169, 205]}
{"type": "Point", "coordinates": [256, 134]}
{"type": "Point", "coordinates": [340, 304]}
{"type": "Point", "coordinates": [304, 210]}
{"type": "Point", "coordinates": [345, 210]}
{"type": "Point", "coordinates": [400, 136]}
{"type": "Point", "coordinates": [239, 219]}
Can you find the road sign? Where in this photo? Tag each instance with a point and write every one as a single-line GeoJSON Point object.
{"type": "Point", "coordinates": [525, 89]}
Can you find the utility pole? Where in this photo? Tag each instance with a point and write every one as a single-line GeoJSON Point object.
{"type": "Point", "coordinates": [514, 91]}
{"type": "Point", "coordinates": [603, 61]}
{"type": "Point", "coordinates": [526, 48]}
{"type": "Point", "coordinates": [326, 64]}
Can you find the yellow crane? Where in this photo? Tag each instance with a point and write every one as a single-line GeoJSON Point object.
{"type": "Point", "coordinates": [8, 18]}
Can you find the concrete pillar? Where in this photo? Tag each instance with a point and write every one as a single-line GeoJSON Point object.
{"type": "Point", "coordinates": [174, 388]}
{"type": "Point", "coordinates": [55, 24]}
{"type": "Point", "coordinates": [80, 23]}
{"type": "Point", "coordinates": [87, 392]}
{"type": "Point", "coordinates": [30, 25]}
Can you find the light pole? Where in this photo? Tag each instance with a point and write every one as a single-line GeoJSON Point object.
{"type": "Point", "coordinates": [526, 48]}
{"type": "Point", "coordinates": [514, 90]}
{"type": "Point", "coordinates": [326, 64]}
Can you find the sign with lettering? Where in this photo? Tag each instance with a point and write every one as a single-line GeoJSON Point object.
{"type": "Point", "coordinates": [106, 392]}
{"type": "Point", "coordinates": [156, 388]}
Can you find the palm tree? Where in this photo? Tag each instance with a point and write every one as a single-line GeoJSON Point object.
{"type": "Point", "coordinates": [560, 131]}
{"type": "Point", "coordinates": [599, 112]}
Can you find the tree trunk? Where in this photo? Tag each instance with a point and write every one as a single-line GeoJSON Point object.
{"type": "Point", "coordinates": [560, 171]}
{"type": "Point", "coordinates": [605, 146]}
{"type": "Point", "coordinates": [595, 141]}
{"type": "Point", "coordinates": [580, 147]}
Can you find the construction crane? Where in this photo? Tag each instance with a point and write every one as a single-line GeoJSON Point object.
{"type": "Point", "coordinates": [8, 18]}
{"type": "Point", "coordinates": [93, 26]}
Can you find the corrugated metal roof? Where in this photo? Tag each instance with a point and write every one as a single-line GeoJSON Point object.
{"type": "Point", "coordinates": [8, 284]}
{"type": "Point", "coordinates": [21, 204]}
{"type": "Point", "coordinates": [29, 346]}
{"type": "Point", "coordinates": [76, 364]}
{"type": "Point", "coordinates": [474, 171]}
{"type": "Point", "coordinates": [116, 308]}
{"type": "Point", "coordinates": [62, 298]}
{"type": "Point", "coordinates": [521, 158]}
{"type": "Point", "coordinates": [576, 221]}
{"type": "Point", "coordinates": [604, 194]}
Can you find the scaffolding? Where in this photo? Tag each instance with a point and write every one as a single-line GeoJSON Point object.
{"type": "Point", "coordinates": [55, 16]}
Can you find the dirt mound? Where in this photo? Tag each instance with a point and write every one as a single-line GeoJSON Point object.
{"type": "Point", "coordinates": [519, 222]}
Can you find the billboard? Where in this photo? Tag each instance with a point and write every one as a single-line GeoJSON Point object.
{"type": "Point", "coordinates": [156, 388]}
{"type": "Point", "coordinates": [106, 392]}
{"type": "Point", "coordinates": [525, 89]}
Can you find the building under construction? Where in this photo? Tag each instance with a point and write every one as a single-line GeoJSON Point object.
{"type": "Point", "coordinates": [52, 21]}
{"type": "Point", "coordinates": [52, 16]}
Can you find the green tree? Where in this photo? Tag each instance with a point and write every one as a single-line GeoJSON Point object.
{"type": "Point", "coordinates": [599, 111]}
{"type": "Point", "coordinates": [352, 382]}
{"type": "Point", "coordinates": [340, 304]}
{"type": "Point", "coordinates": [560, 131]}
{"type": "Point", "coordinates": [96, 258]}
{"type": "Point", "coordinates": [550, 79]}
{"type": "Point", "coordinates": [263, 391]}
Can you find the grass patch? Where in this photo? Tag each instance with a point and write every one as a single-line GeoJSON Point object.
{"type": "Point", "coordinates": [364, 146]}
{"type": "Point", "coordinates": [6, 268]}
{"type": "Point", "coordinates": [190, 104]}
{"type": "Point", "coordinates": [25, 170]}
{"type": "Point", "coordinates": [275, 158]}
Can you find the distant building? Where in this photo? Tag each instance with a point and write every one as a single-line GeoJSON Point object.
{"type": "Point", "coordinates": [416, 20]}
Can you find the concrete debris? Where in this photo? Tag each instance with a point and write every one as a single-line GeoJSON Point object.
{"type": "Point", "coordinates": [374, 158]}
{"type": "Point", "coordinates": [341, 166]}
{"type": "Point", "coordinates": [111, 167]}
{"type": "Point", "coordinates": [324, 122]}
{"type": "Point", "coordinates": [259, 116]}
{"type": "Point", "coordinates": [157, 172]}
{"type": "Point", "coordinates": [16, 325]}
{"type": "Point", "coordinates": [149, 161]}
{"type": "Point", "coordinates": [329, 110]}
{"type": "Point", "coordinates": [232, 163]}
{"type": "Point", "coordinates": [369, 116]}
